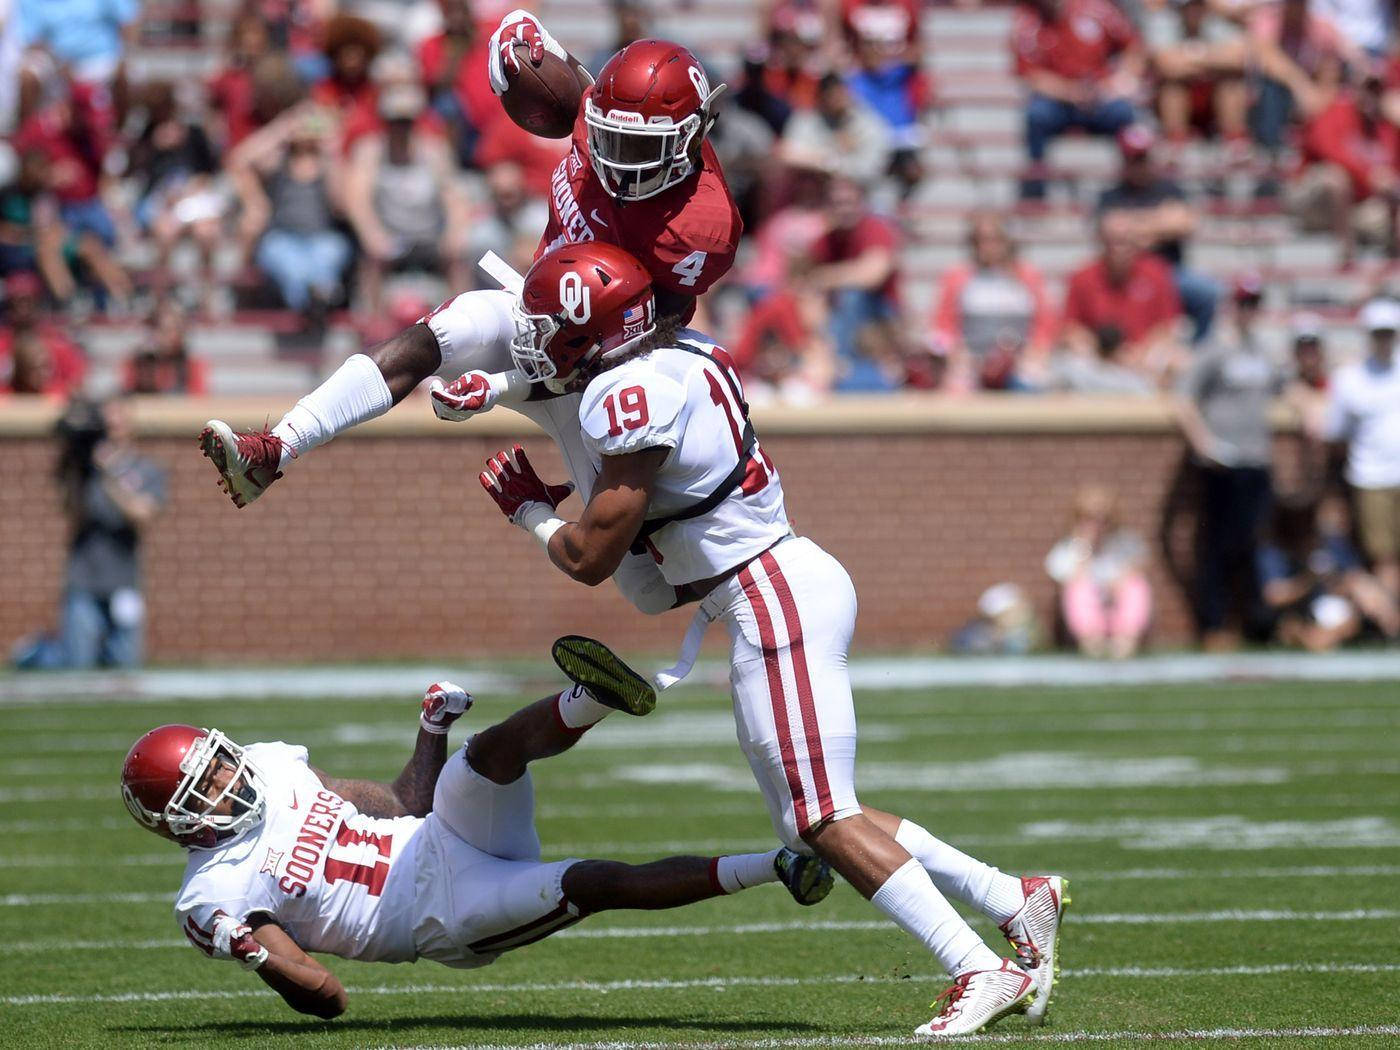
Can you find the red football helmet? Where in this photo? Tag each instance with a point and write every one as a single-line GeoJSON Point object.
{"type": "Point", "coordinates": [581, 304]}
{"type": "Point", "coordinates": [165, 786]}
{"type": "Point", "coordinates": [647, 114]}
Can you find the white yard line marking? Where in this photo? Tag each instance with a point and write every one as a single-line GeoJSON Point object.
{"type": "Point", "coordinates": [345, 683]}
{"type": "Point", "coordinates": [677, 984]}
{"type": "Point", "coordinates": [1053, 1038]}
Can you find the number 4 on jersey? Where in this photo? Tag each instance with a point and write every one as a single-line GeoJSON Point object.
{"type": "Point", "coordinates": [688, 269]}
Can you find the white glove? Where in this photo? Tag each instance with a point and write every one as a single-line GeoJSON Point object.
{"type": "Point", "coordinates": [443, 704]}
{"type": "Point", "coordinates": [472, 393]}
{"type": "Point", "coordinates": [233, 939]}
{"type": "Point", "coordinates": [518, 27]}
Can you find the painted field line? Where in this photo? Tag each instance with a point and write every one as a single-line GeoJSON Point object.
{"type": "Point", "coordinates": [680, 984]}
{"type": "Point", "coordinates": [1049, 1038]}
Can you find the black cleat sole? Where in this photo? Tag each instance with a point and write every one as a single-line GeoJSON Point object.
{"type": "Point", "coordinates": [603, 673]}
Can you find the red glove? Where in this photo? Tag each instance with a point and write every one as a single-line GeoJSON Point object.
{"type": "Point", "coordinates": [234, 940]}
{"type": "Point", "coordinates": [511, 481]}
{"type": "Point", "coordinates": [517, 27]}
{"type": "Point", "coordinates": [462, 398]}
{"type": "Point", "coordinates": [443, 704]}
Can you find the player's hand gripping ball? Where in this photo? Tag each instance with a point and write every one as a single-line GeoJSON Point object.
{"type": "Point", "coordinates": [531, 73]}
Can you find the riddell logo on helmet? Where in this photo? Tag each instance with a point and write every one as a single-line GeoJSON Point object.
{"type": "Point", "coordinates": [575, 298]}
{"type": "Point", "coordinates": [622, 116]}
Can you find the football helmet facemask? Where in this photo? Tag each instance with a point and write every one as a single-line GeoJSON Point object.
{"type": "Point", "coordinates": [168, 786]}
{"type": "Point", "coordinates": [581, 306]}
{"type": "Point", "coordinates": [647, 115]}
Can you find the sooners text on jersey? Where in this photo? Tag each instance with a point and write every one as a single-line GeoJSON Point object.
{"type": "Point", "coordinates": [336, 880]}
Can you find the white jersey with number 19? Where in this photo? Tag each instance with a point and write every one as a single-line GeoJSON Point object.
{"type": "Point", "coordinates": [687, 397]}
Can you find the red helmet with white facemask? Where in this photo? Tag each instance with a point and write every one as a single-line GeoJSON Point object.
{"type": "Point", "coordinates": [168, 785]}
{"type": "Point", "coordinates": [647, 115]}
{"type": "Point", "coordinates": [581, 305]}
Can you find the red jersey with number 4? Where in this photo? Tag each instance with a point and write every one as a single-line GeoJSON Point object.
{"type": "Point", "coordinates": [685, 236]}
{"type": "Point", "coordinates": [687, 398]}
{"type": "Point", "coordinates": [336, 880]}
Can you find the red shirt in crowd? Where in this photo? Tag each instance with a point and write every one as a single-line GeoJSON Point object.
{"type": "Point", "coordinates": [1340, 135]}
{"type": "Point", "coordinates": [74, 151]}
{"type": "Point", "coordinates": [1079, 45]}
{"type": "Point", "coordinates": [871, 231]}
{"type": "Point", "coordinates": [469, 85]}
{"type": "Point", "coordinates": [66, 363]}
{"type": "Point", "coordinates": [1144, 301]}
{"type": "Point", "coordinates": [504, 140]}
{"type": "Point", "coordinates": [231, 93]}
{"type": "Point", "coordinates": [358, 107]}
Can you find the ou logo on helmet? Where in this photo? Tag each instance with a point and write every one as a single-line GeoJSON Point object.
{"type": "Point", "coordinates": [575, 298]}
{"type": "Point", "coordinates": [701, 82]}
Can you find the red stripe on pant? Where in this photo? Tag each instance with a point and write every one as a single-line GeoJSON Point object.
{"type": "Point", "coordinates": [806, 703]}
{"type": "Point", "coordinates": [777, 697]}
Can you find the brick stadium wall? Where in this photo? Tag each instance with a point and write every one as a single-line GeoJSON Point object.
{"type": "Point", "coordinates": [383, 546]}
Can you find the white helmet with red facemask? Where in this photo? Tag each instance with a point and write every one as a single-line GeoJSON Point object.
{"type": "Point", "coordinates": [169, 786]}
{"type": "Point", "coordinates": [581, 306]}
{"type": "Point", "coordinates": [647, 115]}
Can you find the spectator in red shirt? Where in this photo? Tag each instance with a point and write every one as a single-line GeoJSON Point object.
{"type": "Point", "coordinates": [232, 91]}
{"type": "Point", "coordinates": [1125, 299]}
{"type": "Point", "coordinates": [453, 67]}
{"type": "Point", "coordinates": [993, 317]}
{"type": "Point", "coordinates": [1082, 61]}
{"type": "Point", "coordinates": [163, 365]}
{"type": "Point", "coordinates": [351, 45]}
{"type": "Point", "coordinates": [796, 57]}
{"type": "Point", "coordinates": [36, 355]}
{"type": "Point", "coordinates": [1351, 168]}
{"type": "Point", "coordinates": [856, 265]}
{"type": "Point", "coordinates": [75, 134]}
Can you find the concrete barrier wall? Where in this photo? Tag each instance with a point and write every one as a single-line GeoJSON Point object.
{"type": "Point", "coordinates": [382, 545]}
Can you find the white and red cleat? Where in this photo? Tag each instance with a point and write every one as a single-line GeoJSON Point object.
{"type": "Point", "coordinates": [1034, 933]}
{"type": "Point", "coordinates": [247, 463]}
{"type": "Point", "coordinates": [979, 999]}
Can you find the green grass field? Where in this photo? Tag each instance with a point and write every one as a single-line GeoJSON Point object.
{"type": "Point", "coordinates": [1234, 849]}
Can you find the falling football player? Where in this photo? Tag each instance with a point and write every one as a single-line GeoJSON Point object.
{"type": "Point", "coordinates": [639, 173]}
{"type": "Point", "coordinates": [442, 864]}
{"type": "Point", "coordinates": [682, 475]}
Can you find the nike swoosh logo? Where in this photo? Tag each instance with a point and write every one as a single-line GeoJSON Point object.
{"type": "Point", "coordinates": [597, 218]}
{"type": "Point", "coordinates": [294, 800]}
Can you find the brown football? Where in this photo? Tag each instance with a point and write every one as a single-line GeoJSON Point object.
{"type": "Point", "coordinates": [544, 99]}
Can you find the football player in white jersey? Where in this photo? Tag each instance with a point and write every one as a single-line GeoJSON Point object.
{"type": "Point", "coordinates": [681, 475]}
{"type": "Point", "coordinates": [442, 864]}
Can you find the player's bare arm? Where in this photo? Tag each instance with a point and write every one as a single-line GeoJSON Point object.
{"type": "Point", "coordinates": [411, 792]}
{"type": "Point", "coordinates": [590, 550]}
{"type": "Point", "coordinates": [302, 982]}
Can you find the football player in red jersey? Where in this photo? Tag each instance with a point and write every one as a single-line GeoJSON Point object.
{"type": "Point", "coordinates": [638, 174]}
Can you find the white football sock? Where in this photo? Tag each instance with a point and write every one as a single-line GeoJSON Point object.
{"type": "Point", "coordinates": [578, 710]}
{"type": "Point", "coordinates": [355, 392]}
{"type": "Point", "coordinates": [992, 892]}
{"type": "Point", "coordinates": [910, 898]}
{"type": "Point", "coordinates": [739, 871]}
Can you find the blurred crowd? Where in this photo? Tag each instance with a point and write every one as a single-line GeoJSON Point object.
{"type": "Point", "coordinates": [347, 159]}
{"type": "Point", "coordinates": [346, 163]}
